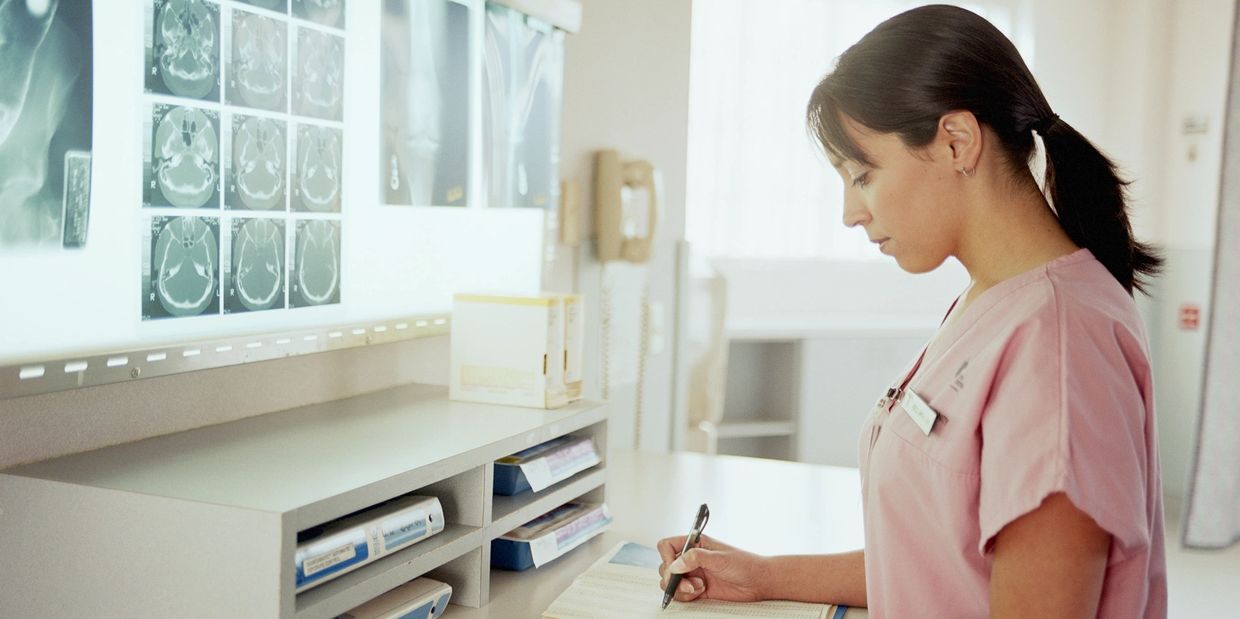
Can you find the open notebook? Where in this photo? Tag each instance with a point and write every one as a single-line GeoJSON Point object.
{"type": "Point", "coordinates": [624, 584]}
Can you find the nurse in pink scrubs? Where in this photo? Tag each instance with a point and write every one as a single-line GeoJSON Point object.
{"type": "Point", "coordinates": [1012, 468]}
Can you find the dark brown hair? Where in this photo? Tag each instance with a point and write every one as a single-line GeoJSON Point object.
{"type": "Point", "coordinates": [912, 69]}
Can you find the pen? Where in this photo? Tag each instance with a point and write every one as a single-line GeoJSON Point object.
{"type": "Point", "coordinates": [695, 533]}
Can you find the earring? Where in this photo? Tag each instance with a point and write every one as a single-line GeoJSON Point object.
{"type": "Point", "coordinates": [968, 173]}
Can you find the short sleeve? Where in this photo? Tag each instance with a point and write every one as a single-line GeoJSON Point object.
{"type": "Point", "coordinates": [1067, 413]}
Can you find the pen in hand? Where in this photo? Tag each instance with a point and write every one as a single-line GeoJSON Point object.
{"type": "Point", "coordinates": [699, 523]}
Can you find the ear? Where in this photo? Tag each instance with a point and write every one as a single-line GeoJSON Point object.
{"type": "Point", "coordinates": [960, 136]}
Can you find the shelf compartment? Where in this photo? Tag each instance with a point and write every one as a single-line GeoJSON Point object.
{"type": "Point", "coordinates": [371, 580]}
{"type": "Point", "coordinates": [510, 512]}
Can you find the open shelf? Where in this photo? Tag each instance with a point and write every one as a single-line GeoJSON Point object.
{"type": "Point", "coordinates": [223, 505]}
{"type": "Point", "coordinates": [745, 429]}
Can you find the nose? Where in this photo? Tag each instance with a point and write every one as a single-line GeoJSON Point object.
{"type": "Point", "coordinates": [854, 213]}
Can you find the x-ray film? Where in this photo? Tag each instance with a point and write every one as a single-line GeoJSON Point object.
{"type": "Point", "coordinates": [317, 168]}
{"type": "Point", "coordinates": [257, 164]}
{"type": "Point", "coordinates": [182, 158]}
{"type": "Point", "coordinates": [271, 5]}
{"type": "Point", "coordinates": [77, 199]}
{"type": "Point", "coordinates": [314, 276]}
{"type": "Point", "coordinates": [258, 62]}
{"type": "Point", "coordinates": [254, 275]}
{"type": "Point", "coordinates": [424, 106]}
{"type": "Point", "coordinates": [325, 12]}
{"type": "Point", "coordinates": [46, 92]}
{"type": "Point", "coordinates": [523, 72]}
{"type": "Point", "coordinates": [183, 48]}
{"type": "Point", "coordinates": [181, 267]}
{"type": "Point", "coordinates": [318, 88]}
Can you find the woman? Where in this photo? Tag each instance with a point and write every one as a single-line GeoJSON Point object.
{"type": "Point", "coordinates": [1012, 469]}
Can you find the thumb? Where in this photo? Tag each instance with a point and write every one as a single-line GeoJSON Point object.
{"type": "Point", "coordinates": [697, 558]}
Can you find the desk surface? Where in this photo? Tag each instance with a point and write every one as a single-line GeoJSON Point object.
{"type": "Point", "coordinates": [766, 506]}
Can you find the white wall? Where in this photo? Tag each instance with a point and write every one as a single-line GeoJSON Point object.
{"type": "Point", "coordinates": [627, 87]}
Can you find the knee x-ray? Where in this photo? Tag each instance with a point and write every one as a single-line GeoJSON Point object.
{"type": "Point", "coordinates": [46, 89]}
{"type": "Point", "coordinates": [523, 71]}
{"type": "Point", "coordinates": [424, 103]}
{"type": "Point", "coordinates": [180, 274]}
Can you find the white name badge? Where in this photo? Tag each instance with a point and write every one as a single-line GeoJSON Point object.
{"type": "Point", "coordinates": [919, 411]}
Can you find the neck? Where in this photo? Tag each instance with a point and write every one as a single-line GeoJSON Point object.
{"type": "Point", "coordinates": [1008, 231]}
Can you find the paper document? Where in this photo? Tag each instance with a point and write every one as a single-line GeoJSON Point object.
{"type": "Point", "coordinates": [624, 584]}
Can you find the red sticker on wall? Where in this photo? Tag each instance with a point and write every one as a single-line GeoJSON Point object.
{"type": "Point", "coordinates": [1190, 317]}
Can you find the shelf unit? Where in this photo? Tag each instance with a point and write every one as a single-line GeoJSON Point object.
{"type": "Point", "coordinates": [762, 401]}
{"type": "Point", "coordinates": [205, 522]}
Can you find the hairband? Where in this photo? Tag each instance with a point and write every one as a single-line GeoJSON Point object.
{"type": "Point", "coordinates": [1043, 125]}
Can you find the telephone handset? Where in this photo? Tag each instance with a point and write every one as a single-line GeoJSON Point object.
{"type": "Point", "coordinates": [626, 207]}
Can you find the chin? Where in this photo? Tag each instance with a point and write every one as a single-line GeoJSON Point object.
{"type": "Point", "coordinates": [919, 264]}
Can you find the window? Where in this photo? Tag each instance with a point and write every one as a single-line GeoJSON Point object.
{"type": "Point", "coordinates": [758, 186]}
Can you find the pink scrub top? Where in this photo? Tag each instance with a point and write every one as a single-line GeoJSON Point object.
{"type": "Point", "coordinates": [1041, 385]}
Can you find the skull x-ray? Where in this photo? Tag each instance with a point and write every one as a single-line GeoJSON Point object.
{"type": "Point", "coordinates": [183, 48]}
{"type": "Point", "coordinates": [45, 123]}
{"type": "Point", "coordinates": [318, 88]}
{"type": "Point", "coordinates": [523, 73]}
{"type": "Point", "coordinates": [314, 277]}
{"type": "Point", "coordinates": [318, 164]}
{"type": "Point", "coordinates": [424, 102]}
{"type": "Point", "coordinates": [325, 12]}
{"type": "Point", "coordinates": [257, 164]}
{"type": "Point", "coordinates": [258, 62]}
{"type": "Point", "coordinates": [255, 274]}
{"type": "Point", "coordinates": [181, 267]}
{"type": "Point", "coordinates": [182, 157]}
{"type": "Point", "coordinates": [271, 5]}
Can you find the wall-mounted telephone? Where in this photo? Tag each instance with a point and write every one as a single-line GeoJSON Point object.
{"type": "Point", "coordinates": [626, 198]}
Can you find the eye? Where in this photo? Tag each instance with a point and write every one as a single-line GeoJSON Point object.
{"type": "Point", "coordinates": [861, 180]}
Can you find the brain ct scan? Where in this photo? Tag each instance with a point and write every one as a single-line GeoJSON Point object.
{"type": "Point", "coordinates": [424, 111]}
{"type": "Point", "coordinates": [258, 72]}
{"type": "Point", "coordinates": [258, 169]}
{"type": "Point", "coordinates": [255, 277]}
{"type": "Point", "coordinates": [523, 71]}
{"type": "Point", "coordinates": [316, 179]}
{"type": "Point", "coordinates": [271, 5]}
{"type": "Point", "coordinates": [325, 12]}
{"type": "Point", "coordinates": [183, 53]}
{"type": "Point", "coordinates": [315, 273]}
{"type": "Point", "coordinates": [46, 86]}
{"type": "Point", "coordinates": [183, 164]}
{"type": "Point", "coordinates": [319, 87]}
{"type": "Point", "coordinates": [181, 275]}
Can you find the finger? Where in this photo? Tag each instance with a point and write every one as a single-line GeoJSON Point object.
{"type": "Point", "coordinates": [693, 559]}
{"type": "Point", "coordinates": [687, 591]}
{"type": "Point", "coordinates": [669, 547]}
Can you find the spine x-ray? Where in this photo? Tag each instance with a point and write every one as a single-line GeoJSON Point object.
{"type": "Point", "coordinates": [46, 90]}
{"type": "Point", "coordinates": [523, 72]}
{"type": "Point", "coordinates": [424, 103]}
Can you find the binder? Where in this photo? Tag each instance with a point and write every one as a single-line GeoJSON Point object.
{"type": "Point", "coordinates": [549, 536]}
{"type": "Point", "coordinates": [422, 598]}
{"type": "Point", "coordinates": [345, 544]}
{"type": "Point", "coordinates": [544, 465]}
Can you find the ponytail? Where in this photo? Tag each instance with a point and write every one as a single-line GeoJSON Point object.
{"type": "Point", "coordinates": [904, 75]}
{"type": "Point", "coordinates": [1090, 199]}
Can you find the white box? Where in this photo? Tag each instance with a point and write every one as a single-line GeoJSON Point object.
{"type": "Point", "coordinates": [574, 336]}
{"type": "Point", "coordinates": [509, 350]}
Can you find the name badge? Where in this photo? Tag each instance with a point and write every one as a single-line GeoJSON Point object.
{"type": "Point", "coordinates": [919, 411]}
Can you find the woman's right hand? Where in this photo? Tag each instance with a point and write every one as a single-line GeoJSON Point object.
{"type": "Point", "coordinates": [712, 570]}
